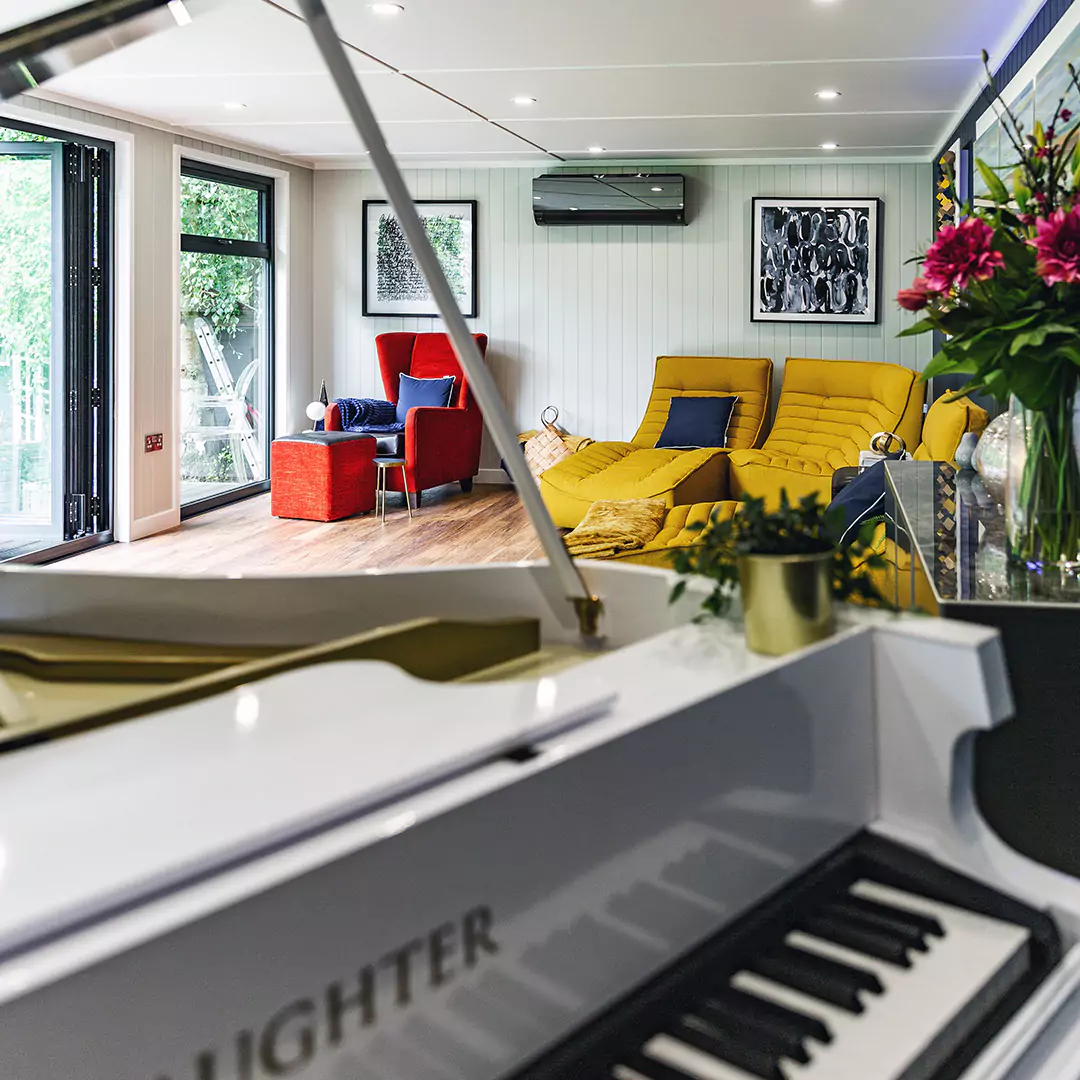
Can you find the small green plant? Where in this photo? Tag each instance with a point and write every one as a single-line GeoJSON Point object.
{"type": "Point", "coordinates": [804, 528]}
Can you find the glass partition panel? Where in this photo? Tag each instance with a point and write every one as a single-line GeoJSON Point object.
{"type": "Point", "coordinates": [31, 466]}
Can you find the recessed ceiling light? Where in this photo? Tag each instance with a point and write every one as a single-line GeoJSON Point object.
{"type": "Point", "coordinates": [829, 146]}
{"type": "Point", "coordinates": [658, 189]}
{"type": "Point", "coordinates": [827, 95]}
{"type": "Point", "coordinates": [573, 207]}
{"type": "Point", "coordinates": [387, 9]}
{"type": "Point", "coordinates": [235, 105]}
{"type": "Point", "coordinates": [537, 198]}
{"type": "Point", "coordinates": [179, 12]}
{"type": "Point", "coordinates": [523, 99]}
{"type": "Point", "coordinates": [596, 149]}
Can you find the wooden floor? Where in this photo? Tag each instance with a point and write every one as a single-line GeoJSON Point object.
{"type": "Point", "coordinates": [451, 528]}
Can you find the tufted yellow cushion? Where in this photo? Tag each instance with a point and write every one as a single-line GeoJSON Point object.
{"type": "Point", "coordinates": [637, 470]}
{"type": "Point", "coordinates": [828, 411]}
{"type": "Point", "coordinates": [946, 424]}
{"type": "Point", "coordinates": [710, 376]}
{"type": "Point", "coordinates": [615, 470]}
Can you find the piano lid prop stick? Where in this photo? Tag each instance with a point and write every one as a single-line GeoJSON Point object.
{"type": "Point", "coordinates": [586, 605]}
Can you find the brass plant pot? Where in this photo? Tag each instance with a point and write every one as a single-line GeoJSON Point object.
{"type": "Point", "coordinates": [787, 600]}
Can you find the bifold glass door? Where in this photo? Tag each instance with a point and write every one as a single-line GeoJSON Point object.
{"type": "Point", "coordinates": [31, 346]}
{"type": "Point", "coordinates": [226, 315]}
{"type": "Point", "coordinates": [55, 346]}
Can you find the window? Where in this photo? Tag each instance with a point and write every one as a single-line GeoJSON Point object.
{"type": "Point", "coordinates": [226, 335]}
{"type": "Point", "coordinates": [55, 344]}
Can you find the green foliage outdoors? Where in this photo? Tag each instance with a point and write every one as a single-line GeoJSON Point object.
{"type": "Point", "coordinates": [15, 135]}
{"type": "Point", "coordinates": [26, 313]}
{"type": "Point", "coordinates": [805, 528]}
{"type": "Point", "coordinates": [228, 291]}
{"type": "Point", "coordinates": [223, 289]}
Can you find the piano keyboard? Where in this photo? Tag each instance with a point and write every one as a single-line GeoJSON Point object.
{"type": "Point", "coordinates": [878, 965]}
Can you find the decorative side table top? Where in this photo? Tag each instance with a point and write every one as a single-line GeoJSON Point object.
{"type": "Point", "coordinates": [954, 528]}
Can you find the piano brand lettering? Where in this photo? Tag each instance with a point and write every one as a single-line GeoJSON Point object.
{"type": "Point", "coordinates": [294, 1035]}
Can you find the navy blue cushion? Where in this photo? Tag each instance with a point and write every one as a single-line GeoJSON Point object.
{"type": "Point", "coordinates": [861, 500]}
{"type": "Point", "coordinates": [695, 422]}
{"type": "Point", "coordinates": [419, 393]}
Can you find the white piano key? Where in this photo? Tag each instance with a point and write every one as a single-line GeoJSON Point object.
{"type": "Point", "coordinates": [898, 898]}
{"type": "Point", "coordinates": [690, 1060]}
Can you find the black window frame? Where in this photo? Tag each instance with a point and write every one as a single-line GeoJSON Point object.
{"type": "Point", "coordinates": [89, 268]}
{"type": "Point", "coordinates": [263, 248]}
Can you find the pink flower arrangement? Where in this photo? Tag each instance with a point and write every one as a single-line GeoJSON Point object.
{"type": "Point", "coordinates": [1001, 291]}
{"type": "Point", "coordinates": [1057, 241]}
{"type": "Point", "coordinates": [917, 297]}
{"type": "Point", "coordinates": [960, 254]}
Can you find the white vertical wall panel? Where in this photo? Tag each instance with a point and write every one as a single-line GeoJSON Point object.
{"type": "Point", "coordinates": [577, 316]}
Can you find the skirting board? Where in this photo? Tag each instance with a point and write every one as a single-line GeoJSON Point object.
{"type": "Point", "coordinates": [148, 526]}
{"type": "Point", "coordinates": [492, 476]}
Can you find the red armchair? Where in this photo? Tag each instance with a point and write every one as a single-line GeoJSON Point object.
{"type": "Point", "coordinates": [441, 445]}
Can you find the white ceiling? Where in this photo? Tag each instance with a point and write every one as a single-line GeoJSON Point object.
{"type": "Point", "coordinates": [673, 79]}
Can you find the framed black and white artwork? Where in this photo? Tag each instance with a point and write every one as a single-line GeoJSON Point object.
{"type": "Point", "coordinates": [817, 260]}
{"type": "Point", "coordinates": [393, 284]}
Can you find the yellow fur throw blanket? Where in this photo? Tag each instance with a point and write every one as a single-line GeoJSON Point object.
{"type": "Point", "coordinates": [611, 527]}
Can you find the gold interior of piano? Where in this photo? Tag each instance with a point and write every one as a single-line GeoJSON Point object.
{"type": "Point", "coordinates": [52, 686]}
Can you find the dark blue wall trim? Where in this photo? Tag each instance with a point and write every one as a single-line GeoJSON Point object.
{"type": "Point", "coordinates": [1033, 37]}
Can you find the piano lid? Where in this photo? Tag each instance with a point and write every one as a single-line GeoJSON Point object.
{"type": "Point", "coordinates": [242, 774]}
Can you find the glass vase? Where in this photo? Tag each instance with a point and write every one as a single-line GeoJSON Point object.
{"type": "Point", "coordinates": [1043, 484]}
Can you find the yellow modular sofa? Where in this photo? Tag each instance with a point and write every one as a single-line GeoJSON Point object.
{"type": "Point", "coordinates": [828, 411]}
{"type": "Point", "coordinates": [946, 424]}
{"type": "Point", "coordinates": [637, 470]}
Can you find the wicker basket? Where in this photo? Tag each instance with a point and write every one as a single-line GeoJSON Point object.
{"type": "Point", "coordinates": [549, 445]}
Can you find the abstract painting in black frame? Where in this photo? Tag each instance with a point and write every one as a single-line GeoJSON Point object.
{"type": "Point", "coordinates": [393, 284]}
{"type": "Point", "coordinates": [816, 260]}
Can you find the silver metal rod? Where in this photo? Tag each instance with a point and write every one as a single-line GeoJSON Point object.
{"type": "Point", "coordinates": [480, 379]}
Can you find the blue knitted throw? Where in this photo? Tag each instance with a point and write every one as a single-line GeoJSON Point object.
{"type": "Point", "coordinates": [361, 414]}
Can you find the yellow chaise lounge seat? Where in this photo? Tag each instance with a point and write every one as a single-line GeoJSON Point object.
{"type": "Point", "coordinates": [637, 470]}
{"type": "Point", "coordinates": [828, 411]}
{"type": "Point", "coordinates": [945, 425]}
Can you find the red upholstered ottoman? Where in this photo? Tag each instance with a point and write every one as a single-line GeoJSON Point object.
{"type": "Point", "coordinates": [322, 475]}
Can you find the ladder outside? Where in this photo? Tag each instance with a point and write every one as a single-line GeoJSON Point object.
{"type": "Point", "coordinates": [231, 396]}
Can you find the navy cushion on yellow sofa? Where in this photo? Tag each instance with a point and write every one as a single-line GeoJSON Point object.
{"type": "Point", "coordinates": [695, 422]}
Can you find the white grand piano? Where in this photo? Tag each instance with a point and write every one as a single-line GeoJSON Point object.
{"type": "Point", "coordinates": [641, 853]}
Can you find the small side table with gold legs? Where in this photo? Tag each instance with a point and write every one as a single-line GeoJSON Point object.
{"type": "Point", "coordinates": [384, 465]}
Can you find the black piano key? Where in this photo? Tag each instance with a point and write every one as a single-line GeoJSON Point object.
{"type": "Point", "coordinates": [926, 923]}
{"type": "Point", "coordinates": [876, 943]}
{"type": "Point", "coordinates": [649, 1067]}
{"type": "Point", "coordinates": [738, 1050]}
{"type": "Point", "coordinates": [743, 1007]}
{"type": "Point", "coordinates": [911, 936]}
{"type": "Point", "coordinates": [816, 976]}
{"type": "Point", "coordinates": [783, 1043]}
